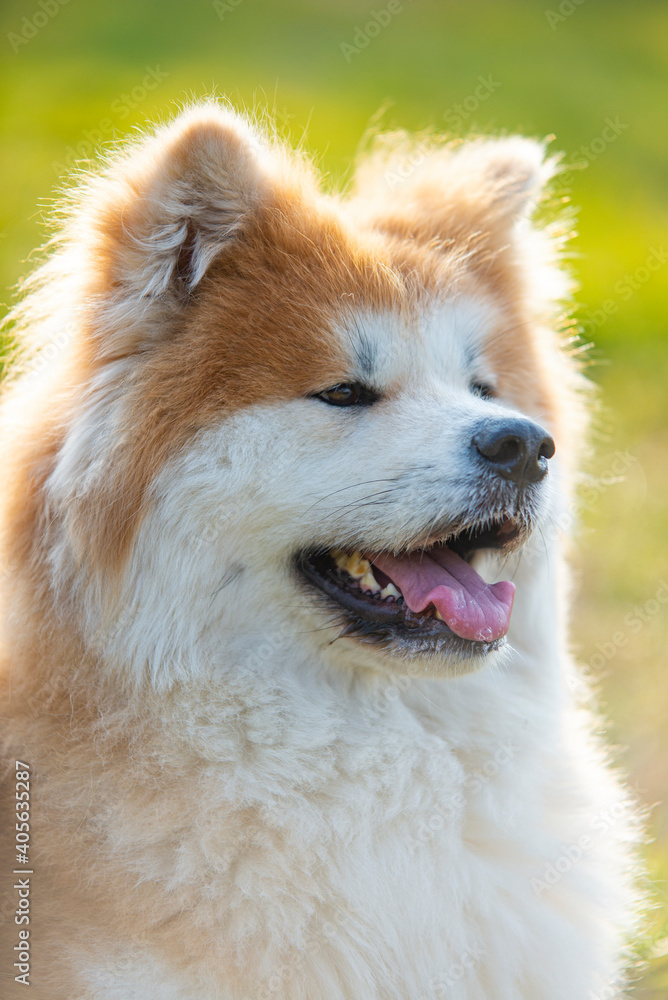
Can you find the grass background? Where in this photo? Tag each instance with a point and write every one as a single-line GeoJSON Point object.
{"type": "Point", "coordinates": [73, 77]}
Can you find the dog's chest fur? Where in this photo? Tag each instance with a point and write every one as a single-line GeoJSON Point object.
{"type": "Point", "coordinates": [378, 839]}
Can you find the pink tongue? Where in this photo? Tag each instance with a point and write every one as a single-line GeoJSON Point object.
{"type": "Point", "coordinates": [472, 608]}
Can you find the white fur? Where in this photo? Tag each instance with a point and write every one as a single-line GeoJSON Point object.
{"type": "Point", "coordinates": [350, 825]}
{"type": "Point", "coordinates": [406, 816]}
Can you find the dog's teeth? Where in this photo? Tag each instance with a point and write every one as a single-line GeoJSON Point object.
{"type": "Point", "coordinates": [439, 615]}
{"type": "Point", "coordinates": [352, 563]}
{"type": "Point", "coordinates": [360, 569]}
{"type": "Point", "coordinates": [369, 582]}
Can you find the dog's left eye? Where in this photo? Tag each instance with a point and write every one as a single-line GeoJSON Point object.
{"type": "Point", "coordinates": [482, 389]}
{"type": "Point", "coordinates": [348, 394]}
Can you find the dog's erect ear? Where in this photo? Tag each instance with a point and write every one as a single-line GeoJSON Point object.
{"type": "Point", "coordinates": [450, 192]}
{"type": "Point", "coordinates": [168, 206]}
{"type": "Point", "coordinates": [507, 175]}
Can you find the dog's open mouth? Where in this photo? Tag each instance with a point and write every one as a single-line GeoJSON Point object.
{"type": "Point", "coordinates": [427, 599]}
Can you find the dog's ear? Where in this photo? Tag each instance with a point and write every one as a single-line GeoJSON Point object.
{"type": "Point", "coordinates": [505, 177]}
{"type": "Point", "coordinates": [153, 222]}
{"type": "Point", "coordinates": [433, 192]}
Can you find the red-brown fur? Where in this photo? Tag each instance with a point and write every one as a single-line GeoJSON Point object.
{"type": "Point", "coordinates": [256, 328]}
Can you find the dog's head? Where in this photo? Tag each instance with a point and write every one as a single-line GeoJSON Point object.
{"type": "Point", "coordinates": [336, 416]}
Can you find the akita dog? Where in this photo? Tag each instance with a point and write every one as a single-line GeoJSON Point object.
{"type": "Point", "coordinates": [285, 662]}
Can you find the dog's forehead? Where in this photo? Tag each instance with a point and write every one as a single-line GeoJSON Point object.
{"type": "Point", "coordinates": [441, 339]}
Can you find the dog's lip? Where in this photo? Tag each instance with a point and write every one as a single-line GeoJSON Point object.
{"type": "Point", "coordinates": [366, 612]}
{"type": "Point", "coordinates": [504, 534]}
{"type": "Point", "coordinates": [361, 604]}
{"type": "Point", "coordinates": [392, 627]}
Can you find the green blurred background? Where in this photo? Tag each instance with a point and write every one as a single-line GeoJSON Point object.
{"type": "Point", "coordinates": [77, 75]}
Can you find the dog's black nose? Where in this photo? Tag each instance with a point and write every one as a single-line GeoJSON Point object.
{"type": "Point", "coordinates": [517, 450]}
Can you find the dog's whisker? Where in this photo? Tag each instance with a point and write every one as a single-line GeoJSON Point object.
{"type": "Point", "coordinates": [364, 501]}
{"type": "Point", "coordinates": [368, 482]}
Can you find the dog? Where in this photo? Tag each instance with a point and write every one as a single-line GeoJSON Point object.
{"type": "Point", "coordinates": [285, 670]}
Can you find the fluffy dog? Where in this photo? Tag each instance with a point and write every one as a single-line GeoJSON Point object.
{"type": "Point", "coordinates": [284, 648]}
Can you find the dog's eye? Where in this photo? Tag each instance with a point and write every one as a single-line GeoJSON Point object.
{"type": "Point", "coordinates": [348, 394]}
{"type": "Point", "coordinates": [482, 389]}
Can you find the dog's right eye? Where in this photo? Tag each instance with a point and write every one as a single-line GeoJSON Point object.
{"type": "Point", "coordinates": [348, 394]}
{"type": "Point", "coordinates": [482, 389]}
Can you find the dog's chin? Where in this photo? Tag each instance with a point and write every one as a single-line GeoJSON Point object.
{"type": "Point", "coordinates": [365, 604]}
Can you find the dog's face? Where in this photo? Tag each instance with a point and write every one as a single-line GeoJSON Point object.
{"type": "Point", "coordinates": [427, 469]}
{"type": "Point", "coordinates": [339, 415]}
{"type": "Point", "coordinates": [370, 494]}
